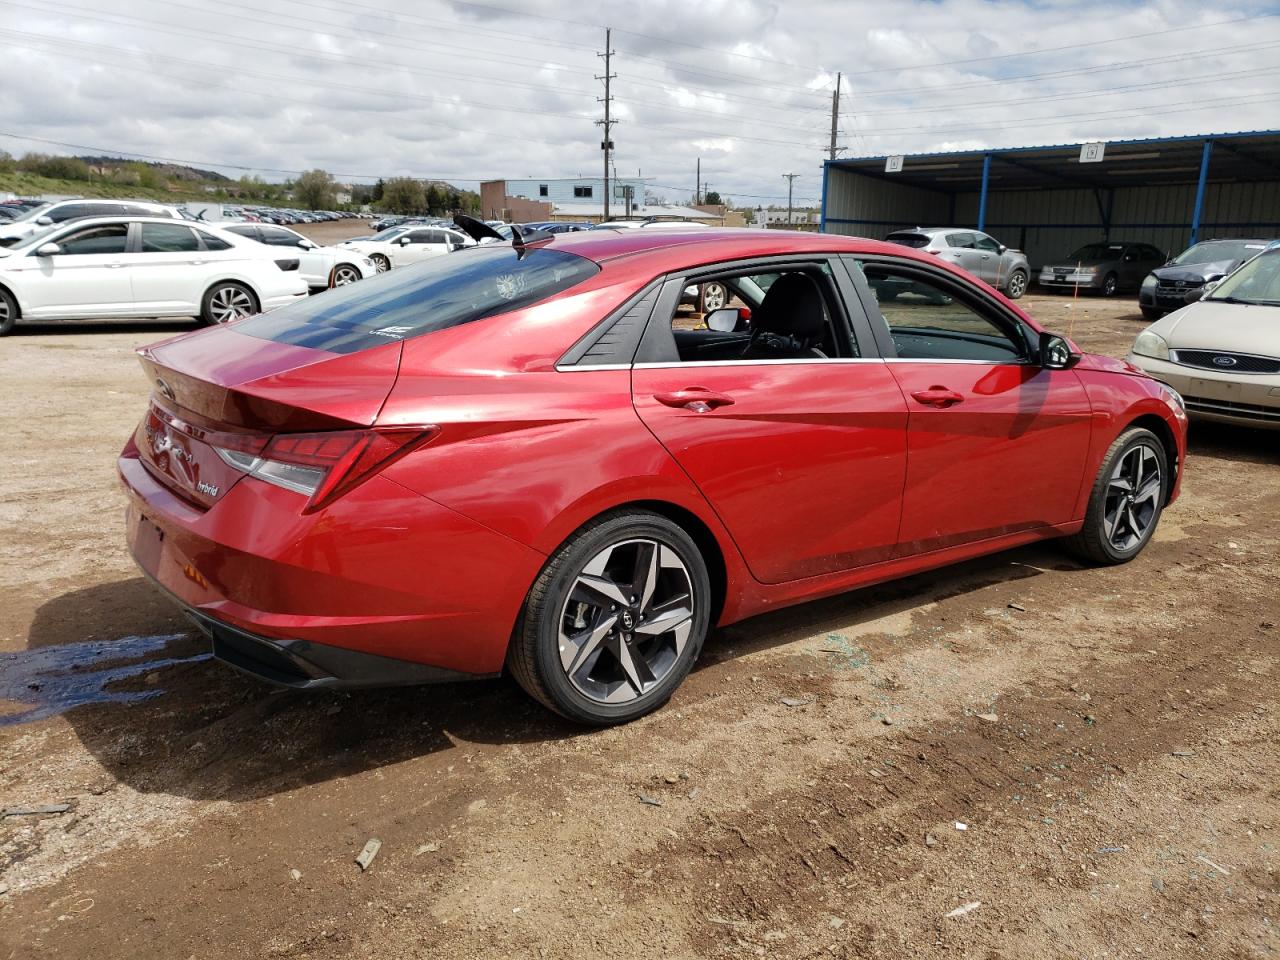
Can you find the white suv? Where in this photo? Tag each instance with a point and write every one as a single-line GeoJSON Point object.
{"type": "Point", "coordinates": [116, 267]}
{"type": "Point", "coordinates": [64, 210]}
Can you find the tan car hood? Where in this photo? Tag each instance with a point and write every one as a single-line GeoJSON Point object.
{"type": "Point", "coordinates": [1234, 327]}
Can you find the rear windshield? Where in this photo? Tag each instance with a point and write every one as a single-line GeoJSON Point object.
{"type": "Point", "coordinates": [1099, 251]}
{"type": "Point", "coordinates": [916, 240]}
{"type": "Point", "coordinates": [407, 302]}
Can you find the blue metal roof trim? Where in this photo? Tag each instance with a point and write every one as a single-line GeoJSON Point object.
{"type": "Point", "coordinates": [1190, 138]}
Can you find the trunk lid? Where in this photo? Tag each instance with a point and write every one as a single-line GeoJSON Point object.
{"type": "Point", "coordinates": [221, 389]}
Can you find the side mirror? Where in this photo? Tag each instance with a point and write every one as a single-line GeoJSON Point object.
{"type": "Point", "coordinates": [728, 320]}
{"type": "Point", "coordinates": [1056, 352]}
{"type": "Point", "coordinates": [306, 244]}
{"type": "Point", "coordinates": [48, 250]}
{"type": "Point", "coordinates": [1003, 249]}
{"type": "Point", "coordinates": [44, 221]}
{"type": "Point", "coordinates": [403, 241]}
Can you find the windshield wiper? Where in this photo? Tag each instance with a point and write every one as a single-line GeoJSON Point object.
{"type": "Point", "coordinates": [1244, 300]}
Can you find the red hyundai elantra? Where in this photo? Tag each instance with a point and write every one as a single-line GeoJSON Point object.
{"type": "Point", "coordinates": [534, 456]}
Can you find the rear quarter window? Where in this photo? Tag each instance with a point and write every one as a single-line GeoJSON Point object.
{"type": "Point", "coordinates": [411, 301]}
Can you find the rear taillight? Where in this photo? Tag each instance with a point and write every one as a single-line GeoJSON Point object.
{"type": "Point", "coordinates": [324, 466]}
{"type": "Point", "coordinates": [287, 265]}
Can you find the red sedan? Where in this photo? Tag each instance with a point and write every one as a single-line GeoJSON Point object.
{"type": "Point", "coordinates": [530, 456]}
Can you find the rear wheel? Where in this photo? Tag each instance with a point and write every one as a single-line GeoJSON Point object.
{"type": "Point", "coordinates": [1016, 286]}
{"type": "Point", "coordinates": [380, 262]}
{"type": "Point", "coordinates": [714, 297]}
{"type": "Point", "coordinates": [1127, 499]}
{"type": "Point", "coordinates": [227, 301]}
{"type": "Point", "coordinates": [1152, 313]}
{"type": "Point", "coordinates": [8, 313]}
{"type": "Point", "coordinates": [345, 273]}
{"type": "Point", "coordinates": [615, 621]}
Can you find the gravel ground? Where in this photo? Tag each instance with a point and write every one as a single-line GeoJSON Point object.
{"type": "Point", "coordinates": [1011, 758]}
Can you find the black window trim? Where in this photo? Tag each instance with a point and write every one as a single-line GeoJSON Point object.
{"type": "Point", "coordinates": [622, 355]}
{"type": "Point", "coordinates": [972, 297]}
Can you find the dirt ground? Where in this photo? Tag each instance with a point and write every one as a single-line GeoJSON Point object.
{"type": "Point", "coordinates": [1015, 758]}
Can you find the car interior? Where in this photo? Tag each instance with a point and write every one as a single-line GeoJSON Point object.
{"type": "Point", "coordinates": [779, 316]}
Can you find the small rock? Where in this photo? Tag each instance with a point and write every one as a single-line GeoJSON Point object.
{"type": "Point", "coordinates": [795, 701]}
{"type": "Point", "coordinates": [1232, 545]}
{"type": "Point", "coordinates": [426, 848]}
{"type": "Point", "coordinates": [1017, 606]}
{"type": "Point", "coordinates": [967, 908]}
{"type": "Point", "coordinates": [961, 826]}
{"type": "Point", "coordinates": [295, 873]}
{"type": "Point", "coordinates": [152, 678]}
{"type": "Point", "coordinates": [1157, 885]}
{"type": "Point", "coordinates": [1184, 753]}
{"type": "Point", "coordinates": [1090, 719]}
{"type": "Point", "coordinates": [693, 794]}
{"type": "Point", "coordinates": [368, 853]}
{"type": "Point", "coordinates": [671, 779]}
{"type": "Point", "coordinates": [651, 801]}
{"type": "Point", "coordinates": [930, 840]}
{"type": "Point", "coordinates": [887, 721]}
{"type": "Point", "coordinates": [836, 923]}
{"type": "Point", "coordinates": [39, 810]}
{"type": "Point", "coordinates": [988, 717]}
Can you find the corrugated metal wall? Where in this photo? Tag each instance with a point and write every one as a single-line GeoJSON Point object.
{"type": "Point", "coordinates": [881, 207]}
{"type": "Point", "coordinates": [1049, 224]}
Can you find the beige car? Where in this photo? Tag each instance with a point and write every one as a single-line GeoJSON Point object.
{"type": "Point", "coordinates": [1222, 353]}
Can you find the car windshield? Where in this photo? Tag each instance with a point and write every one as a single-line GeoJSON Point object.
{"type": "Point", "coordinates": [1258, 281]}
{"type": "Point", "coordinates": [389, 234]}
{"type": "Point", "coordinates": [33, 214]}
{"type": "Point", "coordinates": [37, 238]}
{"type": "Point", "coordinates": [1099, 251]}
{"type": "Point", "coordinates": [1212, 251]}
{"type": "Point", "coordinates": [440, 293]}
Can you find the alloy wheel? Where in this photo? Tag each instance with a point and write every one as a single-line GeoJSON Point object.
{"type": "Point", "coordinates": [1109, 286]}
{"type": "Point", "coordinates": [230, 303]}
{"type": "Point", "coordinates": [381, 263]}
{"type": "Point", "coordinates": [1017, 285]}
{"type": "Point", "coordinates": [626, 620]}
{"type": "Point", "coordinates": [1133, 498]}
{"type": "Point", "coordinates": [714, 297]}
{"type": "Point", "coordinates": [344, 275]}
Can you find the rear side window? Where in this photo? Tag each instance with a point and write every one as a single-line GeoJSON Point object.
{"type": "Point", "coordinates": [408, 302]}
{"type": "Point", "coordinates": [916, 240]}
{"type": "Point", "coordinates": [168, 238]}
{"type": "Point", "coordinates": [211, 242]}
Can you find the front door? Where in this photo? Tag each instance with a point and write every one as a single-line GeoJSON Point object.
{"type": "Point", "coordinates": [995, 443]}
{"type": "Point", "coordinates": [85, 279]}
{"type": "Point", "coordinates": [800, 450]}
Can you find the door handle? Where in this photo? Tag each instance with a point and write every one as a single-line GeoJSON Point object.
{"type": "Point", "coordinates": [115, 266]}
{"type": "Point", "coordinates": [697, 399]}
{"type": "Point", "coordinates": [196, 263]}
{"type": "Point", "coordinates": [937, 397]}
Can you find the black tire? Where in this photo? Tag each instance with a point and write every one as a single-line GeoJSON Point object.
{"type": "Point", "coordinates": [1092, 544]}
{"type": "Point", "coordinates": [1016, 285]}
{"type": "Point", "coordinates": [1110, 284]}
{"type": "Point", "coordinates": [225, 301]}
{"type": "Point", "coordinates": [1151, 313]}
{"type": "Point", "coordinates": [535, 654]}
{"type": "Point", "coordinates": [8, 313]}
{"type": "Point", "coordinates": [380, 262]}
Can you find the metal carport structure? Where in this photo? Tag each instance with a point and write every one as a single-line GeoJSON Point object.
{"type": "Point", "coordinates": [1169, 191]}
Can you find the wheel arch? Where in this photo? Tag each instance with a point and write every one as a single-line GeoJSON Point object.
{"type": "Point", "coordinates": [1160, 427]}
{"type": "Point", "coordinates": [238, 280]}
{"type": "Point", "coordinates": [14, 297]}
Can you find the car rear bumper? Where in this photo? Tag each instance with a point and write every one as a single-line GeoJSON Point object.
{"type": "Point", "coordinates": [1244, 400]}
{"type": "Point", "coordinates": [383, 586]}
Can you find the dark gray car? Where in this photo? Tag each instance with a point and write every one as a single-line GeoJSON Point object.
{"type": "Point", "coordinates": [982, 255]}
{"type": "Point", "coordinates": [1168, 287]}
{"type": "Point", "coordinates": [1105, 268]}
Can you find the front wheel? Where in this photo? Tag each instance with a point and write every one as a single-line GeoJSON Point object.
{"type": "Point", "coordinates": [615, 621]}
{"type": "Point", "coordinates": [1110, 284]}
{"type": "Point", "coordinates": [227, 301]}
{"type": "Point", "coordinates": [380, 263]}
{"type": "Point", "coordinates": [345, 273]}
{"type": "Point", "coordinates": [1016, 286]}
{"type": "Point", "coordinates": [8, 313]}
{"type": "Point", "coordinates": [1127, 499]}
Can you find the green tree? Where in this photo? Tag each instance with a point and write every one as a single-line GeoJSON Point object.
{"type": "Point", "coordinates": [437, 200]}
{"type": "Point", "coordinates": [403, 195]}
{"type": "Point", "coordinates": [712, 199]}
{"type": "Point", "coordinates": [315, 190]}
{"type": "Point", "coordinates": [6, 162]}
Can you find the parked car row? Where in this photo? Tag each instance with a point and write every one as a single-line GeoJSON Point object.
{"type": "Point", "coordinates": [284, 217]}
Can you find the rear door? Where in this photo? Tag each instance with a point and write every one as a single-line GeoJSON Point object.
{"type": "Point", "coordinates": [169, 269]}
{"type": "Point", "coordinates": [313, 265]}
{"type": "Point", "coordinates": [995, 443]}
{"type": "Point", "coordinates": [85, 279]}
{"type": "Point", "coordinates": [803, 459]}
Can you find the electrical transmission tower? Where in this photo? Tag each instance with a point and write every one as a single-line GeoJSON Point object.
{"type": "Point", "coordinates": [607, 123]}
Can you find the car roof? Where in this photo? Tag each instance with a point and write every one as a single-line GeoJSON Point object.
{"type": "Point", "coordinates": [715, 243]}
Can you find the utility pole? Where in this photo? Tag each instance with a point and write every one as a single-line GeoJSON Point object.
{"type": "Point", "coordinates": [697, 184]}
{"type": "Point", "coordinates": [835, 120]}
{"type": "Point", "coordinates": [607, 144]}
{"type": "Point", "coordinates": [790, 181]}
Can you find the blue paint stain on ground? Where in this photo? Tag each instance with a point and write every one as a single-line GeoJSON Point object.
{"type": "Point", "coordinates": [52, 680]}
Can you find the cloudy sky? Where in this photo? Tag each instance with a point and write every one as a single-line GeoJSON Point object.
{"type": "Point", "coordinates": [467, 91]}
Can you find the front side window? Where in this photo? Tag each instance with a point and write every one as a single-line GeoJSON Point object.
{"type": "Point", "coordinates": [243, 230]}
{"type": "Point", "coordinates": [983, 242]}
{"type": "Point", "coordinates": [927, 319]}
{"type": "Point", "coordinates": [168, 238]}
{"type": "Point", "coordinates": [110, 238]}
{"type": "Point", "coordinates": [438, 293]}
{"type": "Point", "coordinates": [279, 237]}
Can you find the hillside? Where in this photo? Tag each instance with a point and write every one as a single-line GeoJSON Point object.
{"type": "Point", "coordinates": [30, 185]}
